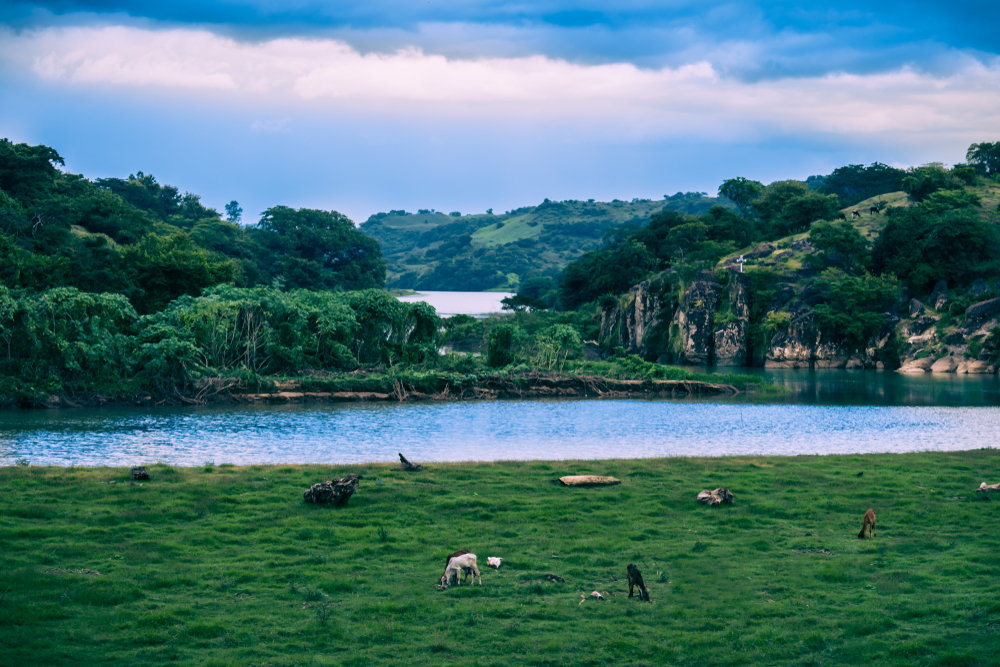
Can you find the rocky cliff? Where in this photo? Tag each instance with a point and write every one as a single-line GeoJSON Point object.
{"type": "Point", "coordinates": [669, 321]}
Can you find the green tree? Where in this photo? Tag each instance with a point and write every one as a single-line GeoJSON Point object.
{"type": "Point", "coordinates": [800, 212]}
{"type": "Point", "coordinates": [320, 249]}
{"type": "Point", "coordinates": [984, 157]}
{"type": "Point", "coordinates": [841, 238]}
{"type": "Point", "coordinates": [921, 182]}
{"type": "Point", "coordinates": [772, 202]}
{"type": "Point", "coordinates": [234, 212]}
{"type": "Point", "coordinates": [856, 182]}
{"type": "Point", "coordinates": [742, 192]}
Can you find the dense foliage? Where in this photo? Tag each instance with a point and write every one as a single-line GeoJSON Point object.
{"type": "Point", "coordinates": [149, 243]}
{"type": "Point", "coordinates": [65, 340]}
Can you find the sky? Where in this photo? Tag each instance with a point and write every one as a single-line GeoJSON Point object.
{"type": "Point", "coordinates": [469, 105]}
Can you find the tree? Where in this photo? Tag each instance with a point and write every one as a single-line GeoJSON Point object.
{"type": "Point", "coordinates": [234, 212]}
{"type": "Point", "coordinates": [920, 182]}
{"type": "Point", "coordinates": [800, 212]}
{"type": "Point", "coordinates": [985, 157]}
{"type": "Point", "coordinates": [843, 239]}
{"type": "Point", "coordinates": [741, 192]}
{"type": "Point", "coordinates": [27, 173]}
{"type": "Point", "coordinates": [856, 182]}
{"type": "Point", "coordinates": [320, 249]}
{"type": "Point", "coordinates": [769, 206]}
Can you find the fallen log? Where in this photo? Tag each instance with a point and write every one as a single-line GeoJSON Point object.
{"type": "Point", "coordinates": [407, 466]}
{"type": "Point", "coordinates": [588, 480]}
{"type": "Point", "coordinates": [336, 492]}
{"type": "Point", "coordinates": [716, 497]}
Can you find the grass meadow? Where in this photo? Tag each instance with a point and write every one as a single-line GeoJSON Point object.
{"type": "Point", "coordinates": [224, 565]}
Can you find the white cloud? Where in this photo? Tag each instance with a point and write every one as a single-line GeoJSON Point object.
{"type": "Point", "coordinates": [609, 99]}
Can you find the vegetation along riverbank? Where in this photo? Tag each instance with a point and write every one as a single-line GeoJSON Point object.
{"type": "Point", "coordinates": [224, 565]}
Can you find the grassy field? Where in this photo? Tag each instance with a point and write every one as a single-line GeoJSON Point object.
{"type": "Point", "coordinates": [226, 565]}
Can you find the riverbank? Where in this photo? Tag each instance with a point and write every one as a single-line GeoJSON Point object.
{"type": "Point", "coordinates": [588, 380]}
{"type": "Point", "coordinates": [227, 565]}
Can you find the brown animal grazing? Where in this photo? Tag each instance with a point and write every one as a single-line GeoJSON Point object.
{"type": "Point", "coordinates": [841, 216]}
{"type": "Point", "coordinates": [855, 214]}
{"type": "Point", "coordinates": [869, 525]}
{"type": "Point", "coordinates": [635, 581]}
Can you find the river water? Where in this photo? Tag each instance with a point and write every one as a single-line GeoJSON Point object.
{"type": "Point", "coordinates": [824, 412]}
{"type": "Point", "coordinates": [477, 304]}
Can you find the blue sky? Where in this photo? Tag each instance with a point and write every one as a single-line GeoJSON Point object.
{"type": "Point", "coordinates": [465, 105]}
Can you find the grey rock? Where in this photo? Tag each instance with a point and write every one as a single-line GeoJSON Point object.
{"type": "Point", "coordinates": [915, 307]}
{"type": "Point", "coordinates": [803, 245]}
{"type": "Point", "coordinates": [939, 297]}
{"type": "Point", "coordinates": [979, 313]}
{"type": "Point", "coordinates": [978, 287]}
{"type": "Point", "coordinates": [919, 325]}
{"type": "Point", "coordinates": [693, 319]}
{"type": "Point", "coordinates": [763, 250]}
{"type": "Point", "coordinates": [628, 324]}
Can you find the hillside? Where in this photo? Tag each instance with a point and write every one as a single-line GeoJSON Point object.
{"type": "Point", "coordinates": [431, 250]}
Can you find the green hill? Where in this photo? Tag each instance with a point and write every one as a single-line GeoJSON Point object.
{"type": "Point", "coordinates": [431, 250]}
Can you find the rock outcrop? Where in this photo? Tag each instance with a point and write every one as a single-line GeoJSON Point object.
{"type": "Point", "coordinates": [803, 345]}
{"type": "Point", "coordinates": [693, 319]}
{"type": "Point", "coordinates": [980, 313]}
{"type": "Point", "coordinates": [629, 323]}
{"type": "Point", "coordinates": [916, 308]}
{"type": "Point", "coordinates": [731, 337]}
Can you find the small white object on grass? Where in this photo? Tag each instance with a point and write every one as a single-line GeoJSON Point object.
{"type": "Point", "coordinates": [493, 562]}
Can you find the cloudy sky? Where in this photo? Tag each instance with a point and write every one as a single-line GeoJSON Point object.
{"type": "Point", "coordinates": [474, 104]}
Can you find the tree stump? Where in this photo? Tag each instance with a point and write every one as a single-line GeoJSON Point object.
{"type": "Point", "coordinates": [336, 492]}
{"type": "Point", "coordinates": [139, 474]}
{"type": "Point", "coordinates": [407, 466]}
{"type": "Point", "coordinates": [716, 497]}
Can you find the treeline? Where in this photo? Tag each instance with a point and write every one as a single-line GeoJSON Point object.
{"type": "Point", "coordinates": [150, 244]}
{"type": "Point", "coordinates": [64, 341]}
{"type": "Point", "coordinates": [945, 236]}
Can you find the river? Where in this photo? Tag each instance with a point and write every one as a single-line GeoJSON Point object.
{"type": "Point", "coordinates": [824, 412]}
{"type": "Point", "coordinates": [477, 304]}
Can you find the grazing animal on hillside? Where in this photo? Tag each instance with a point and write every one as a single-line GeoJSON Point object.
{"type": "Point", "coordinates": [455, 567]}
{"type": "Point", "coordinates": [873, 210]}
{"type": "Point", "coordinates": [493, 562]}
{"type": "Point", "coordinates": [869, 525]}
{"type": "Point", "coordinates": [460, 552]}
{"type": "Point", "coordinates": [855, 214]}
{"type": "Point", "coordinates": [635, 581]}
{"type": "Point", "coordinates": [841, 216]}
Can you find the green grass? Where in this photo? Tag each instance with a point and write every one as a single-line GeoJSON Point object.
{"type": "Point", "coordinates": [225, 565]}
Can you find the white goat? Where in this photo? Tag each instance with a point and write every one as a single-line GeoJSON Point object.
{"type": "Point", "coordinates": [493, 562]}
{"type": "Point", "coordinates": [455, 567]}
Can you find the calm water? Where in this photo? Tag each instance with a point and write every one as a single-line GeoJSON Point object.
{"type": "Point", "coordinates": [826, 412]}
{"type": "Point", "coordinates": [477, 304]}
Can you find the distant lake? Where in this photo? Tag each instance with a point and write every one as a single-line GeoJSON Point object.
{"type": "Point", "coordinates": [825, 412]}
{"type": "Point", "coordinates": [477, 304]}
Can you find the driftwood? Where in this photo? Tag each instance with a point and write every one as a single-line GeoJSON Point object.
{"type": "Point", "coordinates": [588, 480]}
{"type": "Point", "coordinates": [407, 466]}
{"type": "Point", "coordinates": [140, 474]}
{"type": "Point", "coordinates": [336, 492]}
{"type": "Point", "coordinates": [716, 497]}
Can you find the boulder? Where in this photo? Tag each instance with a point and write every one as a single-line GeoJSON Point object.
{"type": "Point", "coordinates": [944, 365]}
{"type": "Point", "coordinates": [963, 367]}
{"type": "Point", "coordinates": [803, 245]}
{"type": "Point", "coordinates": [978, 287]}
{"type": "Point", "coordinates": [915, 307]}
{"type": "Point", "coordinates": [919, 325]}
{"type": "Point", "coordinates": [979, 313]}
{"type": "Point", "coordinates": [939, 297]}
{"type": "Point", "coordinates": [979, 367]}
{"type": "Point", "coordinates": [763, 250]}
{"type": "Point", "coordinates": [917, 365]}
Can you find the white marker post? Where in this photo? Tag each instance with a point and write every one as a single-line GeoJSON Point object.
{"type": "Point", "coordinates": [740, 262]}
